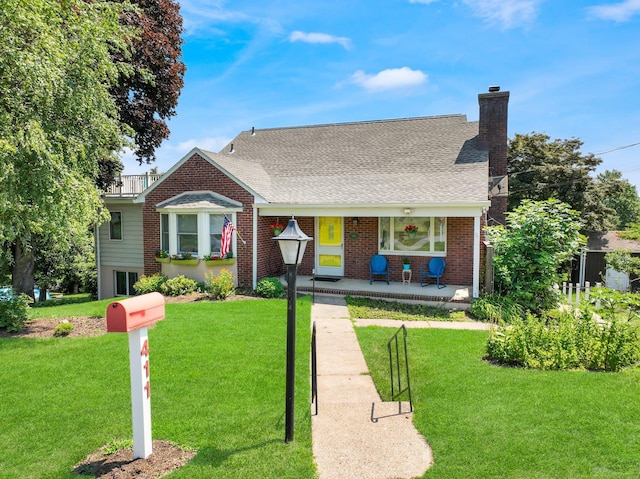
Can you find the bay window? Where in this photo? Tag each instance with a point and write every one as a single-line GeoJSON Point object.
{"type": "Point", "coordinates": [426, 236]}
{"type": "Point", "coordinates": [198, 233]}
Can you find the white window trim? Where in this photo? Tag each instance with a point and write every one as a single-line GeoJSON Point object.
{"type": "Point", "coordinates": [121, 226]}
{"type": "Point", "coordinates": [432, 233]}
{"type": "Point", "coordinates": [204, 241]}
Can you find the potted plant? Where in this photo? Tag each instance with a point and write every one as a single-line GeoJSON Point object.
{"type": "Point", "coordinates": [406, 263]}
{"type": "Point", "coordinates": [185, 259]}
{"type": "Point", "coordinates": [411, 230]}
{"type": "Point", "coordinates": [276, 228]}
{"type": "Point", "coordinates": [216, 260]}
{"type": "Point", "coordinates": [161, 256]}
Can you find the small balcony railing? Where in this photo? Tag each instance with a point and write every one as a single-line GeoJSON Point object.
{"type": "Point", "coordinates": [131, 185]}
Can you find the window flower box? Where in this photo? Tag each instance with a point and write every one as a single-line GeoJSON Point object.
{"type": "Point", "coordinates": [220, 262]}
{"type": "Point", "coordinates": [186, 262]}
{"type": "Point", "coordinates": [161, 256]}
{"type": "Point", "coordinates": [215, 260]}
{"type": "Point", "coordinates": [185, 259]}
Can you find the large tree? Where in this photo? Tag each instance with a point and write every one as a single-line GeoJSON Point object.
{"type": "Point", "coordinates": [625, 202]}
{"type": "Point", "coordinates": [147, 93]}
{"type": "Point", "coordinates": [57, 119]}
{"type": "Point", "coordinates": [541, 169]}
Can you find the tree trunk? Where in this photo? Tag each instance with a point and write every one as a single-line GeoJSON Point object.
{"type": "Point", "coordinates": [22, 269]}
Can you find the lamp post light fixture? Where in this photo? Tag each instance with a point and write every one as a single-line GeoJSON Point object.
{"type": "Point", "coordinates": [292, 242]}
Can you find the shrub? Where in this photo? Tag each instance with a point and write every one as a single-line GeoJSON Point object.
{"type": "Point", "coordinates": [150, 284]}
{"type": "Point", "coordinates": [270, 288]}
{"type": "Point", "coordinates": [541, 237]}
{"type": "Point", "coordinates": [496, 308]}
{"type": "Point", "coordinates": [220, 286]}
{"type": "Point", "coordinates": [576, 339]}
{"type": "Point", "coordinates": [178, 286]}
{"type": "Point", "coordinates": [63, 329]}
{"type": "Point", "coordinates": [14, 312]}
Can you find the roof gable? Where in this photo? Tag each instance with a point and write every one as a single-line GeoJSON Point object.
{"type": "Point", "coordinates": [414, 160]}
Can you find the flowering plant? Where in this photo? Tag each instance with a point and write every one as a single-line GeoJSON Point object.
{"type": "Point", "coordinates": [160, 253]}
{"type": "Point", "coordinates": [276, 226]}
{"type": "Point", "coordinates": [210, 257]}
{"type": "Point", "coordinates": [409, 228]}
{"type": "Point", "coordinates": [180, 256]}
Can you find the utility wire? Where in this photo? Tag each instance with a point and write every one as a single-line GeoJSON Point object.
{"type": "Point", "coordinates": [616, 149]}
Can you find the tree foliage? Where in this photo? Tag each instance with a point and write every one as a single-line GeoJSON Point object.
{"type": "Point", "coordinates": [621, 260]}
{"type": "Point", "coordinates": [57, 119]}
{"type": "Point", "coordinates": [624, 200]}
{"type": "Point", "coordinates": [147, 93]}
{"type": "Point", "coordinates": [540, 237]}
{"type": "Point", "coordinates": [541, 169]}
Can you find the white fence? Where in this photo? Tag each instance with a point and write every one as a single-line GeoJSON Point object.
{"type": "Point", "coordinates": [573, 293]}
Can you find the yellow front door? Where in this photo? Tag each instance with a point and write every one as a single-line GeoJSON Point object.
{"type": "Point", "coordinates": [329, 250]}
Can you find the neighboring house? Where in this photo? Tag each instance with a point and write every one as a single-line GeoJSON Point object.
{"type": "Point", "coordinates": [591, 265]}
{"type": "Point", "coordinates": [353, 187]}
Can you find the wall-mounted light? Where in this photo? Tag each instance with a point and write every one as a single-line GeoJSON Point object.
{"type": "Point", "coordinates": [408, 211]}
{"type": "Point", "coordinates": [355, 221]}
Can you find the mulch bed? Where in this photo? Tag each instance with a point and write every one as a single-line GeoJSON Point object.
{"type": "Point", "coordinates": [164, 459]}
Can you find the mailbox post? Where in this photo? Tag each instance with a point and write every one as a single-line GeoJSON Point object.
{"type": "Point", "coordinates": [133, 316]}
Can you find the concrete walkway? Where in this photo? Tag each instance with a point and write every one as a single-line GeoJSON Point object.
{"type": "Point", "coordinates": [347, 444]}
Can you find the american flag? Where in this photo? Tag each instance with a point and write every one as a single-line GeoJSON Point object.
{"type": "Point", "coordinates": [225, 241]}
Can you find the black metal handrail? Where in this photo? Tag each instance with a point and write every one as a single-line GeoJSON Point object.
{"type": "Point", "coordinates": [396, 392]}
{"type": "Point", "coordinates": [314, 369]}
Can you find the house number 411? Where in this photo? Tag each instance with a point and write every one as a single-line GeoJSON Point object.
{"type": "Point", "coordinates": [145, 354]}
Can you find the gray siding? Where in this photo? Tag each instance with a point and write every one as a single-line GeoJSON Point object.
{"type": "Point", "coordinates": [127, 252]}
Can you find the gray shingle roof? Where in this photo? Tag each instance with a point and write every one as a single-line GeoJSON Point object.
{"type": "Point", "coordinates": [199, 200]}
{"type": "Point", "coordinates": [607, 241]}
{"type": "Point", "coordinates": [414, 160]}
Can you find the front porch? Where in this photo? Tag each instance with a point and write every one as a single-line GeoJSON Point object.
{"type": "Point", "coordinates": [454, 296]}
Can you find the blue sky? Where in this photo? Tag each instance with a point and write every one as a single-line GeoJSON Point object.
{"type": "Point", "coordinates": [572, 67]}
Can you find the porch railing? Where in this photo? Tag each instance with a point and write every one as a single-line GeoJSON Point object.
{"type": "Point", "coordinates": [131, 185]}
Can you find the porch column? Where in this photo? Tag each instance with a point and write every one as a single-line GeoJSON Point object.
{"type": "Point", "coordinates": [476, 257]}
{"type": "Point", "coordinates": [254, 247]}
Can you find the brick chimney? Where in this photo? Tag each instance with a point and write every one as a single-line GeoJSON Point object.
{"type": "Point", "coordinates": [492, 137]}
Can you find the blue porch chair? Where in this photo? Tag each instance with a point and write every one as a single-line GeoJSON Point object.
{"type": "Point", "coordinates": [433, 270]}
{"type": "Point", "coordinates": [378, 266]}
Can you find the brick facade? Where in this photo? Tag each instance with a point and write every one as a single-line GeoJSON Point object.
{"type": "Point", "coordinates": [197, 174]}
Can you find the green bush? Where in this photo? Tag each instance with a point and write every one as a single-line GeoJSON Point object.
{"type": "Point", "coordinates": [496, 308]}
{"type": "Point", "coordinates": [150, 284]}
{"type": "Point", "coordinates": [270, 288]}
{"type": "Point", "coordinates": [576, 339]}
{"type": "Point", "coordinates": [178, 286]}
{"type": "Point", "coordinates": [63, 329]}
{"type": "Point", "coordinates": [14, 312]}
{"type": "Point", "coordinates": [220, 286]}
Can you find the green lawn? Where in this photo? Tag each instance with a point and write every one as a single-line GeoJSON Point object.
{"type": "Point", "coordinates": [484, 421]}
{"type": "Point", "coordinates": [217, 382]}
{"type": "Point", "coordinates": [369, 308]}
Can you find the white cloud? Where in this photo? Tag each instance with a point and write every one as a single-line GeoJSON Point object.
{"type": "Point", "coordinates": [299, 36]}
{"type": "Point", "coordinates": [619, 12]}
{"type": "Point", "coordinates": [213, 144]}
{"type": "Point", "coordinates": [389, 79]}
{"type": "Point", "coordinates": [426, 2]}
{"type": "Point", "coordinates": [507, 13]}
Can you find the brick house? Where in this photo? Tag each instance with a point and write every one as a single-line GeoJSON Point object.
{"type": "Point", "coordinates": [353, 187]}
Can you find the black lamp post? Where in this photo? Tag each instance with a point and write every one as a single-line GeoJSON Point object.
{"type": "Point", "coordinates": [292, 242]}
